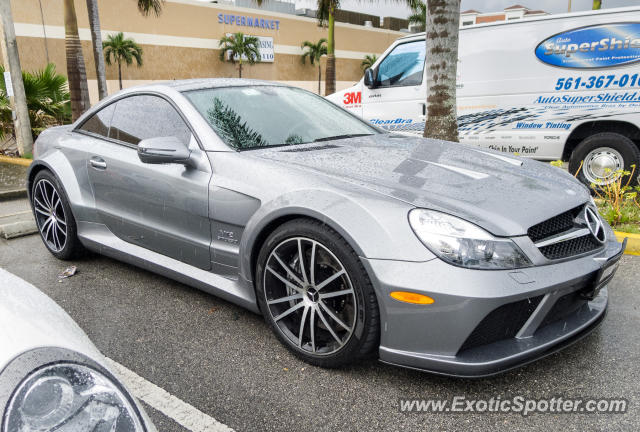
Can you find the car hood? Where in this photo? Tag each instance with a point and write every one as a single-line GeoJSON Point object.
{"type": "Point", "coordinates": [504, 194]}
{"type": "Point", "coordinates": [29, 319]}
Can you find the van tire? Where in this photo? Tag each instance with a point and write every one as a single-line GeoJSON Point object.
{"type": "Point", "coordinates": [608, 146]}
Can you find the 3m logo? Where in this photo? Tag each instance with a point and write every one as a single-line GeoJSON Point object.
{"type": "Point", "coordinates": [352, 98]}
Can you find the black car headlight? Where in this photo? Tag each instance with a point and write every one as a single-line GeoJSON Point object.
{"type": "Point", "coordinates": [464, 244]}
{"type": "Point", "coordinates": [69, 397]}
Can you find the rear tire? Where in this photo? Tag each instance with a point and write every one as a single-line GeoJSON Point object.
{"type": "Point", "coordinates": [56, 224]}
{"type": "Point", "coordinates": [327, 325]}
{"type": "Point", "coordinates": [602, 151]}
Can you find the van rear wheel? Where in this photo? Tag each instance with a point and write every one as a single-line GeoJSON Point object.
{"type": "Point", "coordinates": [600, 156]}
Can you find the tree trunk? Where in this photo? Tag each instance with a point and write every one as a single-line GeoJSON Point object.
{"type": "Point", "coordinates": [330, 74]}
{"type": "Point", "coordinates": [21, 121]}
{"type": "Point", "coordinates": [240, 70]}
{"type": "Point", "coordinates": [319, 78]}
{"type": "Point", "coordinates": [443, 18]}
{"type": "Point", "coordinates": [120, 74]}
{"type": "Point", "coordinates": [96, 39]}
{"type": "Point", "coordinates": [76, 72]}
{"type": "Point", "coordinates": [597, 4]}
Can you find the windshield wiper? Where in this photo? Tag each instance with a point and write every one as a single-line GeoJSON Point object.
{"type": "Point", "coordinates": [337, 137]}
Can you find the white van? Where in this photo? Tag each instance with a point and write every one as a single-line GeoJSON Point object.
{"type": "Point", "coordinates": [556, 87]}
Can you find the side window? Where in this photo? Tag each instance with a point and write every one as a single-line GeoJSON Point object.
{"type": "Point", "coordinates": [403, 66]}
{"type": "Point", "coordinates": [98, 124]}
{"type": "Point", "coordinates": [141, 117]}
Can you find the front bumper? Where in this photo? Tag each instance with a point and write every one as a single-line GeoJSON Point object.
{"type": "Point", "coordinates": [486, 322]}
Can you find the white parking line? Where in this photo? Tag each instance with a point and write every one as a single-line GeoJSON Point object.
{"type": "Point", "coordinates": [181, 412]}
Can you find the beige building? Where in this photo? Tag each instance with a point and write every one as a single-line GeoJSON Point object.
{"type": "Point", "coordinates": [183, 41]}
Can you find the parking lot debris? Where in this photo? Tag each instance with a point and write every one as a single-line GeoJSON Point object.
{"type": "Point", "coordinates": [68, 272]}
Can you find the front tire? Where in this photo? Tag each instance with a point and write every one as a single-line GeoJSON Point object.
{"type": "Point", "coordinates": [601, 155]}
{"type": "Point", "coordinates": [53, 216]}
{"type": "Point", "coordinates": [315, 294]}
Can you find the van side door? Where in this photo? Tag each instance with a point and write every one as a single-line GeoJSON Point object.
{"type": "Point", "coordinates": [396, 100]}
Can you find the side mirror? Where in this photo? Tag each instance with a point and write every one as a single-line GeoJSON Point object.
{"type": "Point", "coordinates": [370, 78]}
{"type": "Point", "coordinates": [163, 150]}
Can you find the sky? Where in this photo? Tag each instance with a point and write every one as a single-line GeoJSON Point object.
{"type": "Point", "coordinates": [395, 8]}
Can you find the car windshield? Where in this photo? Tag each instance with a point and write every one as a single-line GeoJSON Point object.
{"type": "Point", "coordinates": [263, 116]}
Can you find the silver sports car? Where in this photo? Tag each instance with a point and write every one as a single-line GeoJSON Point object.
{"type": "Point", "coordinates": [350, 241]}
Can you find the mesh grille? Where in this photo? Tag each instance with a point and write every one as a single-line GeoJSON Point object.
{"type": "Point", "coordinates": [503, 322]}
{"type": "Point", "coordinates": [555, 225]}
{"type": "Point", "coordinates": [571, 247]}
{"type": "Point", "coordinates": [569, 303]}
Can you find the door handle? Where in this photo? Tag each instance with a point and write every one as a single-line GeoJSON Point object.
{"type": "Point", "coordinates": [98, 163]}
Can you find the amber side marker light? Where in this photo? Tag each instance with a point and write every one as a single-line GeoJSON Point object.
{"type": "Point", "coordinates": [409, 297]}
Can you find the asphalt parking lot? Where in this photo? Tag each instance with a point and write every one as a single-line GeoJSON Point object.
{"type": "Point", "coordinates": [225, 362]}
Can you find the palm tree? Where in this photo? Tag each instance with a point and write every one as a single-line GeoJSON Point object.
{"type": "Point", "coordinates": [120, 50]}
{"type": "Point", "coordinates": [239, 48]}
{"type": "Point", "coordinates": [418, 14]}
{"type": "Point", "coordinates": [326, 16]}
{"type": "Point", "coordinates": [368, 61]}
{"type": "Point", "coordinates": [146, 7]}
{"type": "Point", "coordinates": [75, 62]}
{"type": "Point", "coordinates": [315, 52]}
{"type": "Point", "coordinates": [47, 100]}
{"type": "Point", "coordinates": [96, 42]}
{"type": "Point", "coordinates": [443, 18]}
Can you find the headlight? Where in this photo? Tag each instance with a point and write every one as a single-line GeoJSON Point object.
{"type": "Point", "coordinates": [463, 244]}
{"type": "Point", "coordinates": [70, 397]}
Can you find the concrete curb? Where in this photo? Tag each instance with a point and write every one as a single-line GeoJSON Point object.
{"type": "Point", "coordinates": [18, 229]}
{"type": "Point", "coordinates": [633, 242]}
{"type": "Point", "coordinates": [15, 160]}
{"type": "Point", "coordinates": [13, 194]}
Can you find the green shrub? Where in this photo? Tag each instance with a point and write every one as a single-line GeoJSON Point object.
{"type": "Point", "coordinates": [618, 202]}
{"type": "Point", "coordinates": [47, 99]}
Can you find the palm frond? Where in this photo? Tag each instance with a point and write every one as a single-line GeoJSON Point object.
{"type": "Point", "coordinates": [324, 9]}
{"type": "Point", "coordinates": [313, 50]}
{"type": "Point", "coordinates": [419, 13]}
{"type": "Point", "coordinates": [240, 47]}
{"type": "Point", "coordinates": [47, 97]}
{"type": "Point", "coordinates": [146, 7]}
{"type": "Point", "coordinates": [120, 50]}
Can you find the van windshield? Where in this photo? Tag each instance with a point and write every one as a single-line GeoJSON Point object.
{"type": "Point", "coordinates": [263, 116]}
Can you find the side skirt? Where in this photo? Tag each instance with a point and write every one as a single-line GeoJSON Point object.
{"type": "Point", "coordinates": [100, 239]}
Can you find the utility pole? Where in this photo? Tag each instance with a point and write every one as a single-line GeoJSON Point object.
{"type": "Point", "coordinates": [20, 115]}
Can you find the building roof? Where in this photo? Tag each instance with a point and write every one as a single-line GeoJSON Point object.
{"type": "Point", "coordinates": [516, 7]}
{"type": "Point", "coordinates": [469, 12]}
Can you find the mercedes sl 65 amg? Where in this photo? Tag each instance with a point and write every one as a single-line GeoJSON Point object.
{"type": "Point", "coordinates": [349, 240]}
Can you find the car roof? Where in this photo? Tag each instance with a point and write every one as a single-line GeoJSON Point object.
{"type": "Point", "coordinates": [204, 83]}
